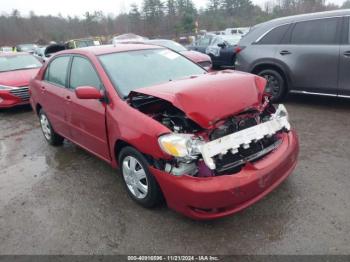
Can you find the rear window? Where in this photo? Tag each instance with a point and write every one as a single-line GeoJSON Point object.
{"type": "Point", "coordinates": [317, 32]}
{"type": "Point", "coordinates": [57, 71]}
{"type": "Point", "coordinates": [275, 36]}
{"type": "Point", "coordinates": [18, 62]}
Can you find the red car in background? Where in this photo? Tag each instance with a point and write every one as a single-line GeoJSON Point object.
{"type": "Point", "coordinates": [211, 143]}
{"type": "Point", "coordinates": [16, 70]}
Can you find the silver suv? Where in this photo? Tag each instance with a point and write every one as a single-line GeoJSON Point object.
{"type": "Point", "coordinates": [307, 54]}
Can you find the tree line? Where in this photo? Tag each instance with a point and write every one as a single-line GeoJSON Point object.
{"type": "Point", "coordinates": [154, 18]}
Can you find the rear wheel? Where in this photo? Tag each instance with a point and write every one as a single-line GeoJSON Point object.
{"type": "Point", "coordinates": [50, 135]}
{"type": "Point", "coordinates": [276, 85]}
{"type": "Point", "coordinates": [139, 182]}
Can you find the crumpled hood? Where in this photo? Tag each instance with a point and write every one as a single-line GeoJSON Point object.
{"type": "Point", "coordinates": [18, 78]}
{"type": "Point", "coordinates": [209, 98]}
{"type": "Point", "coordinates": [196, 57]}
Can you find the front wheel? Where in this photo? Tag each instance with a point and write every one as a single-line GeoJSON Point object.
{"type": "Point", "coordinates": [275, 86]}
{"type": "Point", "coordinates": [50, 135]}
{"type": "Point", "coordinates": [139, 182]}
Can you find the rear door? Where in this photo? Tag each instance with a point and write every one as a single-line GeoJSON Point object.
{"type": "Point", "coordinates": [312, 55]}
{"type": "Point", "coordinates": [344, 63]}
{"type": "Point", "coordinates": [54, 93]}
{"type": "Point", "coordinates": [87, 117]}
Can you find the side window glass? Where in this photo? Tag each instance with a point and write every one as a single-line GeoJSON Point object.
{"type": "Point", "coordinates": [83, 74]}
{"type": "Point", "coordinates": [56, 73]}
{"type": "Point", "coordinates": [319, 32]}
{"type": "Point", "coordinates": [275, 36]}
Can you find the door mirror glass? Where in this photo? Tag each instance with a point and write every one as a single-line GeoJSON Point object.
{"type": "Point", "coordinates": [88, 92]}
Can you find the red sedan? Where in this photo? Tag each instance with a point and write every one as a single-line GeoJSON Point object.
{"type": "Point", "coordinates": [16, 70]}
{"type": "Point", "coordinates": [211, 144]}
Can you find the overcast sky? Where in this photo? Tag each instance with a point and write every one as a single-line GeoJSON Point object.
{"type": "Point", "coordinates": [77, 7]}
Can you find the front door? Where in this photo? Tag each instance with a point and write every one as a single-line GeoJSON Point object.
{"type": "Point", "coordinates": [344, 63]}
{"type": "Point", "coordinates": [87, 117]}
{"type": "Point", "coordinates": [312, 55]}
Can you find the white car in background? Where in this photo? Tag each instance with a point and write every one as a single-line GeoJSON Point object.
{"type": "Point", "coordinates": [6, 49]}
{"type": "Point", "coordinates": [237, 31]}
{"type": "Point", "coordinates": [127, 38]}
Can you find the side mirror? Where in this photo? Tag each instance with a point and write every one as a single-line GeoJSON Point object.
{"type": "Point", "coordinates": [88, 92]}
{"type": "Point", "coordinates": [222, 45]}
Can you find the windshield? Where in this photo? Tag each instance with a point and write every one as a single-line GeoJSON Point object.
{"type": "Point", "coordinates": [232, 40]}
{"type": "Point", "coordinates": [18, 62]}
{"type": "Point", "coordinates": [135, 69]}
{"type": "Point", "coordinates": [169, 44]}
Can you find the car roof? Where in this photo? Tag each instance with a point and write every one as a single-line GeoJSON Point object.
{"type": "Point", "coordinates": [302, 17]}
{"type": "Point", "coordinates": [260, 29]}
{"type": "Point", "coordinates": [108, 49]}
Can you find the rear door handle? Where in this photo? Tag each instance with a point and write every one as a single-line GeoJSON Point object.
{"type": "Point", "coordinates": [347, 54]}
{"type": "Point", "coordinates": [285, 52]}
{"type": "Point", "coordinates": [43, 88]}
{"type": "Point", "coordinates": [68, 98]}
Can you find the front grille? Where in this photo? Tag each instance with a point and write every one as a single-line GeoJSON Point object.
{"type": "Point", "coordinates": [232, 163]}
{"type": "Point", "coordinates": [22, 93]}
{"type": "Point", "coordinates": [205, 64]}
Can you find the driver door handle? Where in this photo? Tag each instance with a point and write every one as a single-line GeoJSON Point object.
{"type": "Point", "coordinates": [347, 54]}
{"type": "Point", "coordinates": [285, 52]}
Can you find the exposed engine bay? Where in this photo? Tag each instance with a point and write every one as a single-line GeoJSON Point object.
{"type": "Point", "coordinates": [223, 149]}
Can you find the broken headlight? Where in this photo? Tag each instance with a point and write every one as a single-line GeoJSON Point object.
{"type": "Point", "coordinates": [180, 145]}
{"type": "Point", "coordinates": [281, 112]}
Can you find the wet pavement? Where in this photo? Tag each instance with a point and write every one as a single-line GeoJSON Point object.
{"type": "Point", "coordinates": [65, 201]}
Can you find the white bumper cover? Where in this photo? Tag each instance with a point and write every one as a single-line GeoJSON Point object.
{"type": "Point", "coordinates": [244, 138]}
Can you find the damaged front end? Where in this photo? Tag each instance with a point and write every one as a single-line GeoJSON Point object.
{"type": "Point", "coordinates": [224, 148]}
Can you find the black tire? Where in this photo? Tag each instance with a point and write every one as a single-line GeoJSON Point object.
{"type": "Point", "coordinates": [276, 85]}
{"type": "Point", "coordinates": [153, 197]}
{"type": "Point", "coordinates": [50, 135]}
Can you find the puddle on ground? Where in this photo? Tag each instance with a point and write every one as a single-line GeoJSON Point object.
{"type": "Point", "coordinates": [18, 177]}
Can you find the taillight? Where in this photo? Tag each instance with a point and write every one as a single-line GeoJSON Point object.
{"type": "Point", "coordinates": [238, 49]}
